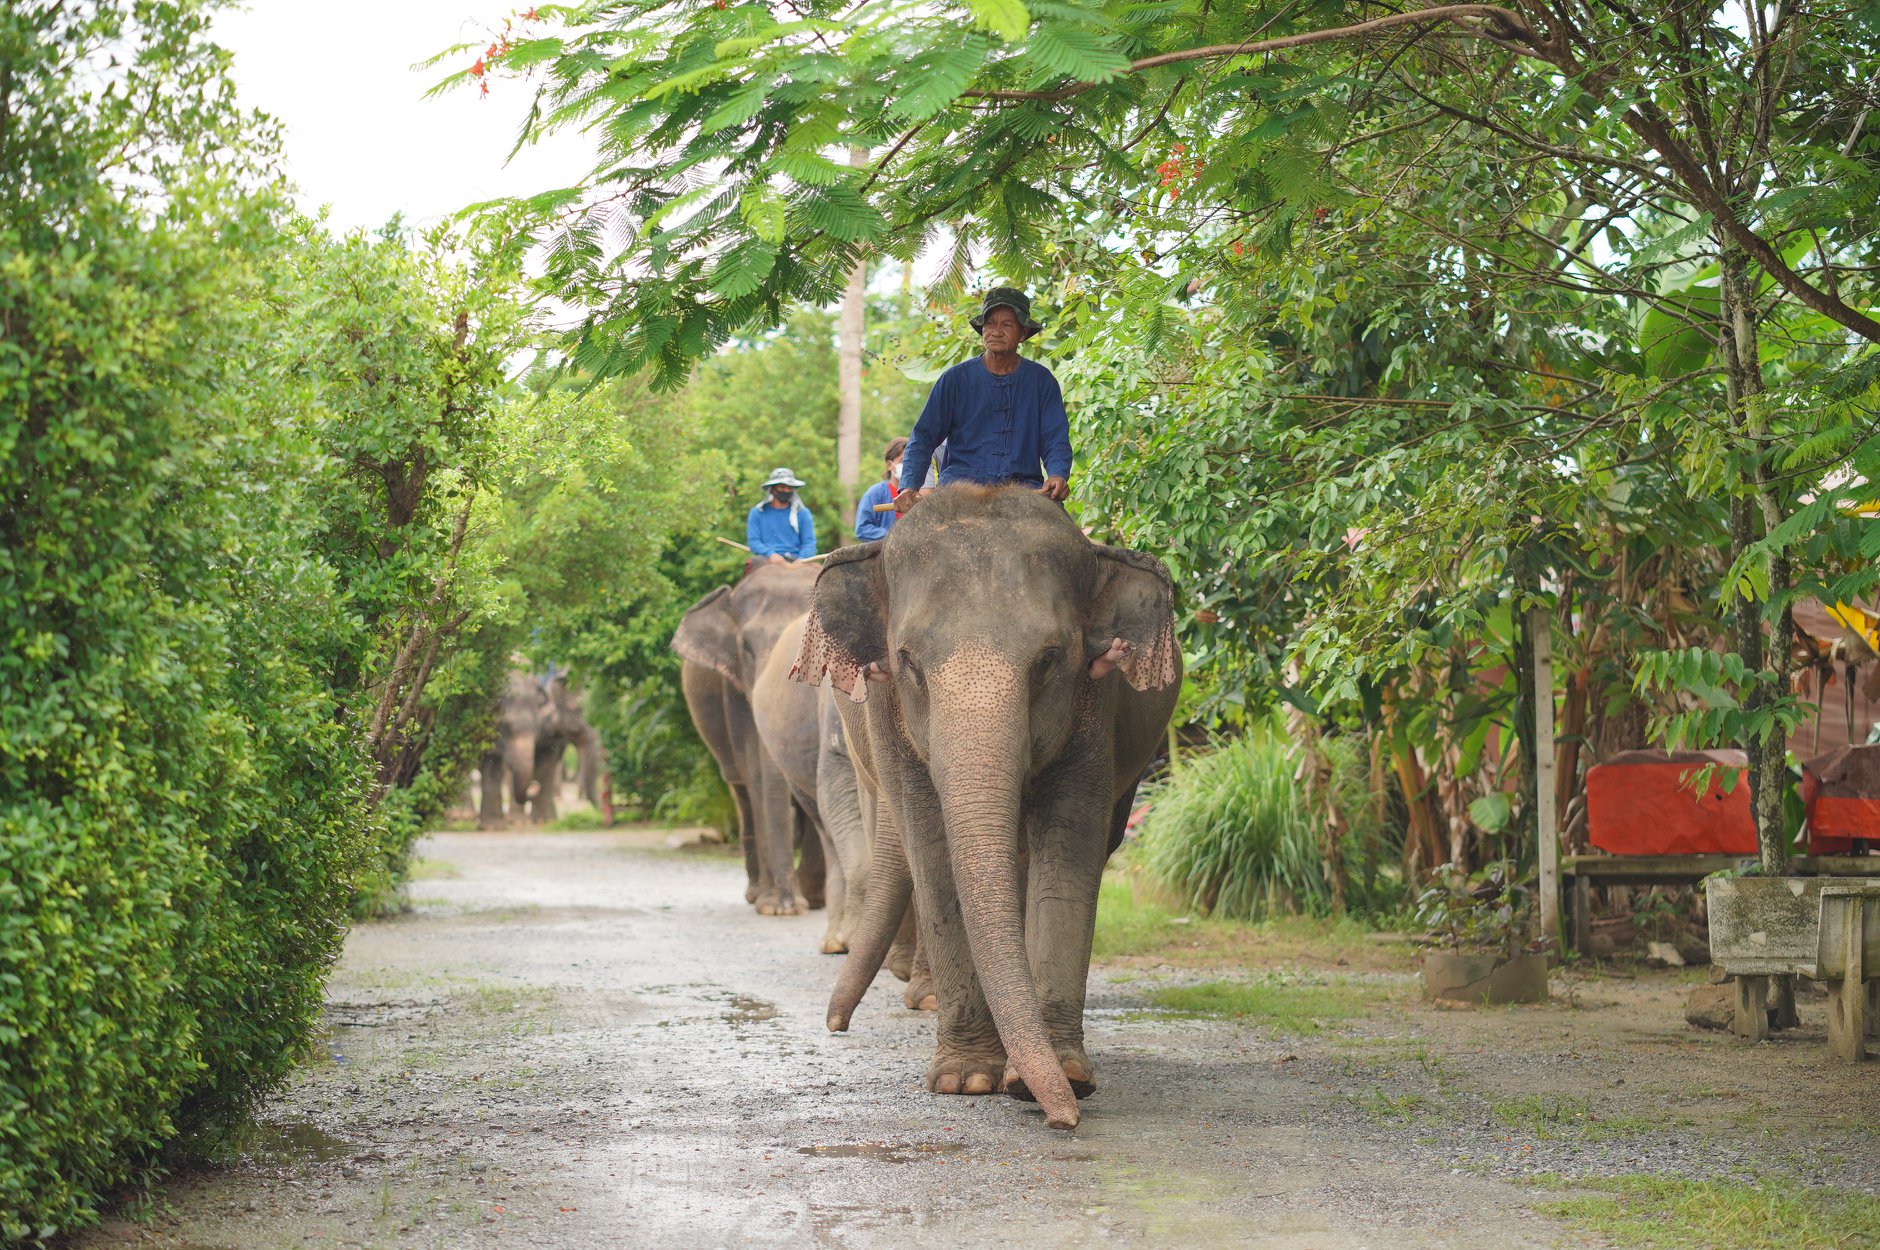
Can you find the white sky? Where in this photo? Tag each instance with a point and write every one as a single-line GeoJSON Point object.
{"type": "Point", "coordinates": [338, 75]}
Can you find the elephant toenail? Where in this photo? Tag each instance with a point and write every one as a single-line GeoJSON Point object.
{"type": "Point", "coordinates": [949, 1083]}
{"type": "Point", "coordinates": [979, 1083]}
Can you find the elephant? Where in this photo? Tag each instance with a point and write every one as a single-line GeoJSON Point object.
{"type": "Point", "coordinates": [800, 731]}
{"type": "Point", "coordinates": [526, 718]}
{"type": "Point", "coordinates": [538, 718]}
{"type": "Point", "coordinates": [1008, 681]}
{"type": "Point", "coordinates": [723, 642]}
{"type": "Point", "coordinates": [570, 728]}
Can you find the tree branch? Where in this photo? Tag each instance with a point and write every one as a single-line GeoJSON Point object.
{"type": "Point", "coordinates": [1496, 23]}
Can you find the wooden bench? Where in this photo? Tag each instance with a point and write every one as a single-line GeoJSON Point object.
{"type": "Point", "coordinates": [1820, 928]}
{"type": "Point", "coordinates": [1579, 873]}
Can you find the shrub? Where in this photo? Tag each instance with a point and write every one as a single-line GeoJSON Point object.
{"type": "Point", "coordinates": [181, 809]}
{"type": "Point", "coordinates": [1230, 834]}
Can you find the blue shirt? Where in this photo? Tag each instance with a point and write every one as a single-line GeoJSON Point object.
{"type": "Point", "coordinates": [869, 524]}
{"type": "Point", "coordinates": [768, 531]}
{"type": "Point", "coordinates": [997, 429]}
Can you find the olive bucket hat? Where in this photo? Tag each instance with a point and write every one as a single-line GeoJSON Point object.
{"type": "Point", "coordinates": [1008, 297]}
{"type": "Point", "coordinates": [782, 477]}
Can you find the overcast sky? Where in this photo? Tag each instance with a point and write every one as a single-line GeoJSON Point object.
{"type": "Point", "coordinates": [360, 137]}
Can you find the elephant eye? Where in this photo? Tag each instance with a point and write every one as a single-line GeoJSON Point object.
{"type": "Point", "coordinates": [1045, 661]}
{"type": "Point", "coordinates": [905, 663]}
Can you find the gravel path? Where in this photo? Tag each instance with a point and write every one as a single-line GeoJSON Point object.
{"type": "Point", "coordinates": [586, 1040]}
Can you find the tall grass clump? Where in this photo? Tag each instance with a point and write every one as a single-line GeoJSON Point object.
{"type": "Point", "coordinates": [1231, 833]}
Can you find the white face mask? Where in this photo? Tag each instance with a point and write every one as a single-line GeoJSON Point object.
{"type": "Point", "coordinates": [894, 470]}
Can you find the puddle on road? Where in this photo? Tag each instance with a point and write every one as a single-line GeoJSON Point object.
{"type": "Point", "coordinates": [748, 1010]}
{"type": "Point", "coordinates": [885, 1152]}
{"type": "Point", "coordinates": [288, 1142]}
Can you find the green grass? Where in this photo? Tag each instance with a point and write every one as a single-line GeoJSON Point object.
{"type": "Point", "coordinates": [1233, 833]}
{"type": "Point", "coordinates": [1391, 1108]}
{"type": "Point", "coordinates": [1287, 1004]}
{"type": "Point", "coordinates": [1653, 1213]}
{"type": "Point", "coordinates": [1132, 924]}
{"type": "Point", "coordinates": [431, 870]}
{"type": "Point", "coordinates": [1547, 1116]}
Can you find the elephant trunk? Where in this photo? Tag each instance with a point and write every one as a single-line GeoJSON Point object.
{"type": "Point", "coordinates": [978, 776]}
{"type": "Point", "coordinates": [519, 760]}
{"type": "Point", "coordinates": [889, 888]}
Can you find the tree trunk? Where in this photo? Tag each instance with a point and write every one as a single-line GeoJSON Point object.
{"type": "Point", "coordinates": [849, 379]}
{"type": "Point", "coordinates": [1752, 510]}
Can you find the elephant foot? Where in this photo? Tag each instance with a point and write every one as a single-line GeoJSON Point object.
{"type": "Point", "coordinates": [1077, 1071]}
{"type": "Point", "coordinates": [919, 994]}
{"type": "Point", "coordinates": [964, 1072]}
{"type": "Point", "coordinates": [779, 905]}
{"type": "Point", "coordinates": [835, 943]}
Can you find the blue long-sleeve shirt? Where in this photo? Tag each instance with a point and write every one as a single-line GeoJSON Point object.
{"type": "Point", "coordinates": [768, 531]}
{"type": "Point", "coordinates": [869, 524]}
{"type": "Point", "coordinates": [997, 429]}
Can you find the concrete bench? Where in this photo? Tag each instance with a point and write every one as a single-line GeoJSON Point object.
{"type": "Point", "coordinates": [1823, 929]}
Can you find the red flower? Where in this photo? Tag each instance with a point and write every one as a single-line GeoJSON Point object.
{"type": "Point", "coordinates": [530, 16]}
{"type": "Point", "coordinates": [476, 71]}
{"type": "Point", "coordinates": [1239, 248]}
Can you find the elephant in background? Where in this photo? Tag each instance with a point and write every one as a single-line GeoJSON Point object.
{"type": "Point", "coordinates": [724, 641]}
{"type": "Point", "coordinates": [570, 728]}
{"type": "Point", "coordinates": [539, 716]}
{"type": "Point", "coordinates": [525, 720]}
{"type": "Point", "coordinates": [1007, 683]}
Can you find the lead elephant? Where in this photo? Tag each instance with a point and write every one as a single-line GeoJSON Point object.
{"type": "Point", "coordinates": [724, 640]}
{"type": "Point", "coordinates": [1009, 682]}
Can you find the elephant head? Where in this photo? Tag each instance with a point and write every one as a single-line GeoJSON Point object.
{"type": "Point", "coordinates": [732, 629]}
{"type": "Point", "coordinates": [992, 626]}
{"type": "Point", "coordinates": [525, 719]}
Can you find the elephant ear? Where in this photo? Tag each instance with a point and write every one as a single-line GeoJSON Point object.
{"type": "Point", "coordinates": [708, 635]}
{"type": "Point", "coordinates": [848, 622]}
{"type": "Point", "coordinates": [1135, 604]}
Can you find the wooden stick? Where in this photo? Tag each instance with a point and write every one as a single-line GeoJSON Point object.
{"type": "Point", "coordinates": [727, 542]}
{"type": "Point", "coordinates": [885, 507]}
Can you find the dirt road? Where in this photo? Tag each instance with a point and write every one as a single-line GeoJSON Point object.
{"type": "Point", "coordinates": [588, 1040]}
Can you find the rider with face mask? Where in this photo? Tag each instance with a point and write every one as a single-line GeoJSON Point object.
{"type": "Point", "coordinates": [780, 529]}
{"type": "Point", "coordinates": [871, 524]}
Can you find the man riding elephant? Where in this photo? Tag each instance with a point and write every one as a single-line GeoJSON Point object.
{"type": "Point", "coordinates": [1001, 416]}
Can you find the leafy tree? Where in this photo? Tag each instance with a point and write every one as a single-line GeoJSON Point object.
{"type": "Point", "coordinates": [1690, 189]}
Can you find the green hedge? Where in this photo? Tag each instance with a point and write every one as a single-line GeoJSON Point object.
{"type": "Point", "coordinates": [182, 812]}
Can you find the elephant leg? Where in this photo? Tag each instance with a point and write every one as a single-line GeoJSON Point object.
{"type": "Point", "coordinates": [747, 839]}
{"type": "Point", "coordinates": [920, 994]}
{"type": "Point", "coordinates": [842, 803]}
{"type": "Point", "coordinates": [1068, 836]}
{"type": "Point", "coordinates": [812, 868]}
{"type": "Point", "coordinates": [890, 889]}
{"type": "Point", "coordinates": [835, 891]}
{"type": "Point", "coordinates": [776, 843]}
{"type": "Point", "coordinates": [906, 945]}
{"type": "Point", "coordinates": [490, 811]}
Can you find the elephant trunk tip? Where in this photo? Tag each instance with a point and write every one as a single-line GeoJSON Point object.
{"type": "Point", "coordinates": [1065, 1118]}
{"type": "Point", "coordinates": [838, 1022]}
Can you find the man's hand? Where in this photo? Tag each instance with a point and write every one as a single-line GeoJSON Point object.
{"type": "Point", "coordinates": [774, 558]}
{"type": "Point", "coordinates": [1056, 488]}
{"type": "Point", "coordinates": [905, 500]}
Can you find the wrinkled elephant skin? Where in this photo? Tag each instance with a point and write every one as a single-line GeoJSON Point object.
{"type": "Point", "coordinates": [724, 641]}
{"type": "Point", "coordinates": [1028, 678]}
{"type": "Point", "coordinates": [801, 732]}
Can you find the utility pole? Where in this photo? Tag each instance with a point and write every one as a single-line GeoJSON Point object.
{"type": "Point", "coordinates": [849, 377]}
